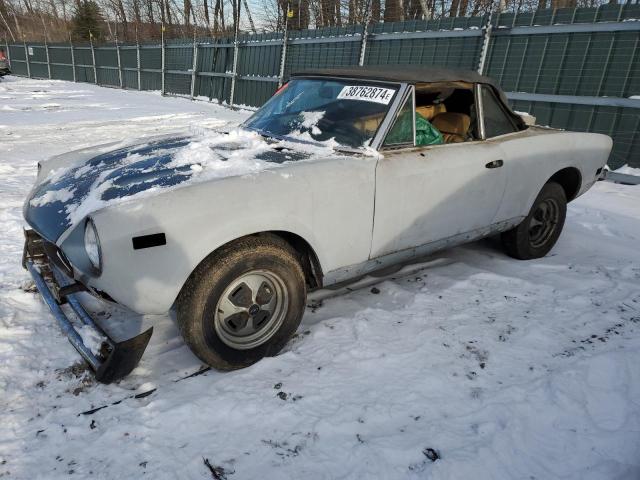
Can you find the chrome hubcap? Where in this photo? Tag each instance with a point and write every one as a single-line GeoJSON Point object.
{"type": "Point", "coordinates": [543, 222]}
{"type": "Point", "coordinates": [251, 309]}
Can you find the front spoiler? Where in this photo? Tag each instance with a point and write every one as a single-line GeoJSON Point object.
{"type": "Point", "coordinates": [114, 360]}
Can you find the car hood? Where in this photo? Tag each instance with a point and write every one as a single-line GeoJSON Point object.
{"type": "Point", "coordinates": [68, 194]}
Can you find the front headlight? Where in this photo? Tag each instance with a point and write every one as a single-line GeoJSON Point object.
{"type": "Point", "coordinates": [92, 245]}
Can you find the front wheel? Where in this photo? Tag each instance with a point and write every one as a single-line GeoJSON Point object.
{"type": "Point", "coordinates": [539, 231]}
{"type": "Point", "coordinates": [242, 303]}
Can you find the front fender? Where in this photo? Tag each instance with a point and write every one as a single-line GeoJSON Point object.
{"type": "Point", "coordinates": [330, 206]}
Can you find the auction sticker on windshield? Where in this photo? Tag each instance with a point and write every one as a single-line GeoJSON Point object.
{"type": "Point", "coordinates": [367, 94]}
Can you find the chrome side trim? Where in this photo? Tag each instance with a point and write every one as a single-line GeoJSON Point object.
{"type": "Point", "coordinates": [354, 271]}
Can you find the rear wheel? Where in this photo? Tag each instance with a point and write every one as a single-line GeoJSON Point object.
{"type": "Point", "coordinates": [242, 303]}
{"type": "Point", "coordinates": [539, 231]}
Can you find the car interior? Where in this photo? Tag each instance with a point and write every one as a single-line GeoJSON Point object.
{"type": "Point", "coordinates": [445, 113]}
{"type": "Point", "coordinates": [449, 107]}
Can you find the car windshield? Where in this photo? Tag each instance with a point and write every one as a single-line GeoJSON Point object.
{"type": "Point", "coordinates": [345, 111]}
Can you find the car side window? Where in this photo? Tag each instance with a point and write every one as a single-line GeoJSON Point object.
{"type": "Point", "coordinates": [402, 131]}
{"type": "Point", "coordinates": [496, 120]}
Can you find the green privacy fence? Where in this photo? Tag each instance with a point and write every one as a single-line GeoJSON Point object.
{"type": "Point", "coordinates": [571, 68]}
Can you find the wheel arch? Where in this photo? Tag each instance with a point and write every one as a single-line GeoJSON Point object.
{"type": "Point", "coordinates": [308, 258]}
{"type": "Point", "coordinates": [570, 179]}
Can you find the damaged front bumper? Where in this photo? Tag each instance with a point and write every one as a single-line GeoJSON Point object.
{"type": "Point", "coordinates": [113, 360]}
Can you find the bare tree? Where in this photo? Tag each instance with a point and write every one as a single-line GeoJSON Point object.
{"type": "Point", "coordinates": [130, 19]}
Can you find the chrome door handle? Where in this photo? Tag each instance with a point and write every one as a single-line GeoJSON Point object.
{"type": "Point", "coordinates": [495, 164]}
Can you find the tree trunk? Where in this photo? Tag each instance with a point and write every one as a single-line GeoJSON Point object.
{"type": "Point", "coordinates": [137, 16]}
{"type": "Point", "coordinates": [222, 15]}
{"type": "Point", "coordinates": [328, 14]}
{"type": "Point", "coordinates": [392, 11]}
{"type": "Point", "coordinates": [463, 8]}
{"type": "Point", "coordinates": [123, 17]}
{"type": "Point", "coordinates": [167, 11]}
{"type": "Point", "coordinates": [413, 10]}
{"type": "Point", "coordinates": [352, 12]}
{"type": "Point", "coordinates": [54, 9]}
{"type": "Point", "coordinates": [303, 14]}
{"type": "Point", "coordinates": [563, 3]}
{"type": "Point", "coordinates": [187, 12]}
{"type": "Point", "coordinates": [453, 10]}
{"type": "Point", "coordinates": [163, 14]}
{"type": "Point", "coordinates": [205, 4]}
{"type": "Point", "coordinates": [216, 14]}
{"type": "Point", "coordinates": [375, 11]}
{"type": "Point", "coordinates": [28, 6]}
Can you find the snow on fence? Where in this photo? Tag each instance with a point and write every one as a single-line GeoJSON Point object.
{"type": "Point", "coordinates": [571, 68]}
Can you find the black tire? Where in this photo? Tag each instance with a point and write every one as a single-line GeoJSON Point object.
{"type": "Point", "coordinates": [539, 231]}
{"type": "Point", "coordinates": [211, 338]}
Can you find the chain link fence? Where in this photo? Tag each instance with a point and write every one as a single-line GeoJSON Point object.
{"type": "Point", "coordinates": [576, 69]}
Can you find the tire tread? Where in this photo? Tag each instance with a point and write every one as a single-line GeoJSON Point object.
{"type": "Point", "coordinates": [194, 295]}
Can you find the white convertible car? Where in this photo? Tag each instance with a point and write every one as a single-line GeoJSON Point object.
{"type": "Point", "coordinates": [341, 173]}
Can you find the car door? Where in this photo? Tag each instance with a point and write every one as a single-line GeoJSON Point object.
{"type": "Point", "coordinates": [433, 193]}
{"type": "Point", "coordinates": [527, 160]}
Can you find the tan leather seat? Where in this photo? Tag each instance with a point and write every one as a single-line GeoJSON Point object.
{"type": "Point", "coordinates": [430, 111]}
{"type": "Point", "coordinates": [369, 124]}
{"type": "Point", "coordinates": [453, 126]}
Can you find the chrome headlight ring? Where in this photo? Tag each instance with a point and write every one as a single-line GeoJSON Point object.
{"type": "Point", "coordinates": [92, 245]}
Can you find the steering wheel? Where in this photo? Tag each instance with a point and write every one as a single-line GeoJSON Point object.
{"type": "Point", "coordinates": [349, 133]}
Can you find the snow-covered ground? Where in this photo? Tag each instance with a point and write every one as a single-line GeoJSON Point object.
{"type": "Point", "coordinates": [506, 369]}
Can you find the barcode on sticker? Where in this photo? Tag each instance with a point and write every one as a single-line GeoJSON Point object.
{"type": "Point", "coordinates": [367, 94]}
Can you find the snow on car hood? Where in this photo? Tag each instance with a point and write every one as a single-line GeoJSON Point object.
{"type": "Point", "coordinates": [67, 195]}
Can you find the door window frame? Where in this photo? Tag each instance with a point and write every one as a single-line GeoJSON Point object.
{"type": "Point", "coordinates": [395, 115]}
{"type": "Point", "coordinates": [408, 147]}
{"type": "Point", "coordinates": [480, 111]}
{"type": "Point", "coordinates": [390, 119]}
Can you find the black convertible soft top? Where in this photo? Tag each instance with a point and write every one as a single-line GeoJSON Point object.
{"type": "Point", "coordinates": [401, 73]}
{"type": "Point", "coordinates": [411, 74]}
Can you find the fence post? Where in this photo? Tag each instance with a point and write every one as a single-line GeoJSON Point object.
{"type": "Point", "coordinates": [138, 64]}
{"type": "Point", "coordinates": [93, 59]}
{"type": "Point", "coordinates": [119, 64]}
{"type": "Point", "coordinates": [73, 59]}
{"type": "Point", "coordinates": [194, 69]}
{"type": "Point", "coordinates": [283, 57]}
{"type": "Point", "coordinates": [162, 92]}
{"type": "Point", "coordinates": [365, 34]}
{"type": "Point", "coordinates": [485, 47]}
{"type": "Point", "coordinates": [363, 46]}
{"type": "Point", "coordinates": [235, 72]}
{"type": "Point", "coordinates": [235, 54]}
{"type": "Point", "coordinates": [46, 50]}
{"type": "Point", "coordinates": [26, 57]}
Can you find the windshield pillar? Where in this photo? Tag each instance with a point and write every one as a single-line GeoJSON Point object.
{"type": "Point", "coordinates": [394, 110]}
